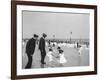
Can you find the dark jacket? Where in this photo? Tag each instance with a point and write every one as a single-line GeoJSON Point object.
{"type": "Point", "coordinates": [42, 44]}
{"type": "Point", "coordinates": [30, 46]}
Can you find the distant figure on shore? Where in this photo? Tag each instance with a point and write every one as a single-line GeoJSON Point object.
{"type": "Point", "coordinates": [80, 50]}
{"type": "Point", "coordinates": [77, 45]}
{"type": "Point", "coordinates": [30, 47]}
{"type": "Point", "coordinates": [42, 48]}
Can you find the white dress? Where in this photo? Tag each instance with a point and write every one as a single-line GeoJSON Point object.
{"type": "Point", "coordinates": [80, 50]}
{"type": "Point", "coordinates": [62, 58]}
{"type": "Point", "coordinates": [49, 54]}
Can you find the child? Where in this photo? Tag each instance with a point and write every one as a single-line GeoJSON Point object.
{"type": "Point", "coordinates": [62, 59]}
{"type": "Point", "coordinates": [49, 54]}
{"type": "Point", "coordinates": [50, 57]}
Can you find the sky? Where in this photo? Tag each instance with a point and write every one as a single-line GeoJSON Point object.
{"type": "Point", "coordinates": [59, 24]}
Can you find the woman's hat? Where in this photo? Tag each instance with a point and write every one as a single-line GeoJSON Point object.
{"type": "Point", "coordinates": [61, 51]}
{"type": "Point", "coordinates": [58, 48]}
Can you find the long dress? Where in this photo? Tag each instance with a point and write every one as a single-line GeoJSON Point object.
{"type": "Point", "coordinates": [62, 58]}
{"type": "Point", "coordinates": [80, 50]}
{"type": "Point", "coordinates": [49, 54]}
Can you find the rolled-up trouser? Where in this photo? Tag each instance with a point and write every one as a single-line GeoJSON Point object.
{"type": "Point", "coordinates": [29, 63]}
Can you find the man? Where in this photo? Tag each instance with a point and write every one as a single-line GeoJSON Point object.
{"type": "Point", "coordinates": [42, 48]}
{"type": "Point", "coordinates": [30, 47]}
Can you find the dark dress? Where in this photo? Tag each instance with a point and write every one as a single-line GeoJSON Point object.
{"type": "Point", "coordinates": [42, 49]}
{"type": "Point", "coordinates": [30, 47]}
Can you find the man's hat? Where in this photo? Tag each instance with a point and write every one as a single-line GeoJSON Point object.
{"type": "Point", "coordinates": [35, 35]}
{"type": "Point", "coordinates": [44, 35]}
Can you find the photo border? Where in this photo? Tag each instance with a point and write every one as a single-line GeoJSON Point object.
{"type": "Point", "coordinates": [14, 38]}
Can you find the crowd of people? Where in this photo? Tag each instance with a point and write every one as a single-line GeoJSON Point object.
{"type": "Point", "coordinates": [42, 44]}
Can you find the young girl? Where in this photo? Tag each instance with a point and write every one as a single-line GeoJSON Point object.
{"type": "Point", "coordinates": [50, 56]}
{"type": "Point", "coordinates": [62, 60]}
